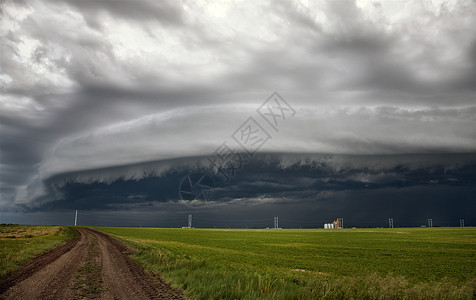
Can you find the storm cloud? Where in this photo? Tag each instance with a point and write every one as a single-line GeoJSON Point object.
{"type": "Point", "coordinates": [103, 100]}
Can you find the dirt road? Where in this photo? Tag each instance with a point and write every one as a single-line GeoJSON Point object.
{"type": "Point", "coordinates": [92, 266]}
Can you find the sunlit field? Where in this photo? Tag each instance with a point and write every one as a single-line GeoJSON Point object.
{"type": "Point", "coordinates": [305, 264]}
{"type": "Point", "coordinates": [19, 243]}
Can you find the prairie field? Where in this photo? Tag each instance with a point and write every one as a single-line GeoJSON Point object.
{"type": "Point", "coordinates": [20, 243]}
{"type": "Point", "coordinates": [399, 263]}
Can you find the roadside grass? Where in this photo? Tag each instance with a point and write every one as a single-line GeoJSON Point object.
{"type": "Point", "coordinates": [410, 263]}
{"type": "Point", "coordinates": [20, 243]}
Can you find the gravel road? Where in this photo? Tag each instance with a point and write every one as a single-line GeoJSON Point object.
{"type": "Point", "coordinates": [92, 266]}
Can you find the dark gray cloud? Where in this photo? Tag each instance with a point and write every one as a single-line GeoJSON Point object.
{"type": "Point", "coordinates": [88, 85]}
{"type": "Point", "coordinates": [304, 190]}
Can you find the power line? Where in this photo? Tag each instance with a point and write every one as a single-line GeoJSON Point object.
{"type": "Point", "coordinates": [390, 223]}
{"type": "Point", "coordinates": [151, 219]}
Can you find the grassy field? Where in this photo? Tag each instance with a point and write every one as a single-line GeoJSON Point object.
{"type": "Point", "coordinates": [19, 243]}
{"type": "Point", "coordinates": [413, 263]}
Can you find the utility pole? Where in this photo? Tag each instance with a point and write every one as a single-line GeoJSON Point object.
{"type": "Point", "coordinates": [190, 221]}
{"type": "Point", "coordinates": [390, 223]}
{"type": "Point", "coordinates": [75, 217]}
{"type": "Point", "coordinates": [461, 222]}
{"type": "Point", "coordinates": [430, 222]}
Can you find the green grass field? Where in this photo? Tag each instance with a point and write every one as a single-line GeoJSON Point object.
{"type": "Point", "coordinates": [20, 243]}
{"type": "Point", "coordinates": [410, 263]}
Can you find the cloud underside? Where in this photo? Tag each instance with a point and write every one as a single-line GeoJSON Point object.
{"type": "Point", "coordinates": [409, 188]}
{"type": "Point", "coordinates": [258, 179]}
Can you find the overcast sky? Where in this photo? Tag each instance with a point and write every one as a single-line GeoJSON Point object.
{"type": "Point", "coordinates": [106, 105]}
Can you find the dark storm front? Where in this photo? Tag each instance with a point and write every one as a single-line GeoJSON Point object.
{"type": "Point", "coordinates": [250, 136]}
